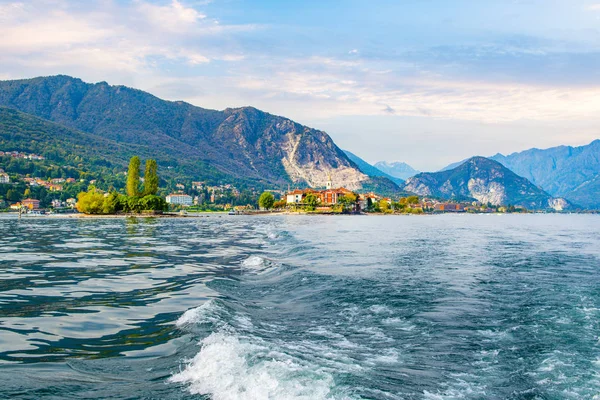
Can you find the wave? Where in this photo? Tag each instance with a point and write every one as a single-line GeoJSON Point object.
{"type": "Point", "coordinates": [229, 368]}
{"type": "Point", "coordinates": [257, 265]}
{"type": "Point", "coordinates": [206, 313]}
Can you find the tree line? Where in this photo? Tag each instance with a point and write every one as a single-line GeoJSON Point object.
{"type": "Point", "coordinates": [138, 197]}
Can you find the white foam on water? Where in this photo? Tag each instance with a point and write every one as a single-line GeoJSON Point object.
{"type": "Point", "coordinates": [380, 309]}
{"type": "Point", "coordinates": [389, 356]}
{"type": "Point", "coordinates": [375, 333]}
{"type": "Point", "coordinates": [253, 262]}
{"type": "Point", "coordinates": [230, 368]}
{"type": "Point", "coordinates": [206, 313]}
{"type": "Point", "coordinates": [461, 389]}
{"type": "Point", "coordinates": [399, 323]}
{"type": "Point", "coordinates": [257, 264]}
{"type": "Point", "coordinates": [244, 322]}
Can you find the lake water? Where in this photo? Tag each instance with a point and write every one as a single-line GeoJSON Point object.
{"type": "Point", "coordinates": [301, 307]}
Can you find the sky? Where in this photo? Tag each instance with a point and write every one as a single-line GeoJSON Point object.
{"type": "Point", "coordinates": [427, 82]}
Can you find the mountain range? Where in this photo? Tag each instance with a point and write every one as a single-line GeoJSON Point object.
{"type": "Point", "coordinates": [566, 171]}
{"type": "Point", "coordinates": [397, 169]}
{"type": "Point", "coordinates": [242, 142]}
{"type": "Point", "coordinates": [486, 181]}
{"type": "Point", "coordinates": [563, 171]}
{"type": "Point", "coordinates": [371, 170]}
{"type": "Point", "coordinates": [99, 126]}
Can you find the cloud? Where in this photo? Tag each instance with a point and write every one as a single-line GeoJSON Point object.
{"type": "Point", "coordinates": [593, 7]}
{"type": "Point", "coordinates": [110, 37]}
{"type": "Point", "coordinates": [175, 45]}
{"type": "Point", "coordinates": [327, 88]}
{"type": "Point", "coordinates": [174, 17]}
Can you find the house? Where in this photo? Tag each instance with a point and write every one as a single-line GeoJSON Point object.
{"type": "Point", "coordinates": [32, 204]}
{"type": "Point", "coordinates": [366, 199]}
{"type": "Point", "coordinates": [182, 199]}
{"type": "Point", "coordinates": [57, 203]}
{"type": "Point", "coordinates": [70, 180]}
{"type": "Point", "coordinates": [71, 202]}
{"type": "Point", "coordinates": [4, 178]}
{"type": "Point", "coordinates": [180, 186]}
{"type": "Point", "coordinates": [15, 206]}
{"type": "Point", "coordinates": [332, 196]}
{"type": "Point", "coordinates": [297, 196]}
{"type": "Point", "coordinates": [57, 180]}
{"type": "Point", "coordinates": [449, 207]}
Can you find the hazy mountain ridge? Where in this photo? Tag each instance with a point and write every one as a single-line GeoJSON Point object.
{"type": "Point", "coordinates": [564, 171]}
{"type": "Point", "coordinates": [397, 169]}
{"type": "Point", "coordinates": [370, 170]}
{"type": "Point", "coordinates": [242, 142]}
{"type": "Point", "coordinates": [486, 181]}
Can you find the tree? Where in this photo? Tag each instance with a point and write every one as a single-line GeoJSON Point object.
{"type": "Point", "coordinates": [280, 204]}
{"type": "Point", "coordinates": [348, 201]}
{"type": "Point", "coordinates": [151, 178]}
{"type": "Point", "coordinates": [111, 203]}
{"type": "Point", "coordinates": [311, 201]}
{"type": "Point", "coordinates": [384, 206]}
{"type": "Point", "coordinates": [133, 177]}
{"type": "Point", "coordinates": [90, 202]}
{"type": "Point", "coordinates": [412, 200]}
{"type": "Point", "coordinates": [27, 193]}
{"type": "Point", "coordinates": [266, 200]}
{"type": "Point", "coordinates": [153, 203]}
{"type": "Point", "coordinates": [12, 195]}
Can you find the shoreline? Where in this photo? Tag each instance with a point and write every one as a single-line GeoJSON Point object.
{"type": "Point", "coordinates": [275, 213]}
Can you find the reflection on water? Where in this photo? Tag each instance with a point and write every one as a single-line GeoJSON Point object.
{"type": "Point", "coordinates": [299, 307]}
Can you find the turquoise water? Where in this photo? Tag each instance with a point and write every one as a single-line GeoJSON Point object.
{"type": "Point", "coordinates": [301, 307]}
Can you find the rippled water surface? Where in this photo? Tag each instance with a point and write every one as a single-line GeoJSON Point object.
{"type": "Point", "coordinates": [301, 307]}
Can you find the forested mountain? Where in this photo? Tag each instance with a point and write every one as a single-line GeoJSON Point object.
{"type": "Point", "coordinates": [70, 148]}
{"type": "Point", "coordinates": [486, 181]}
{"type": "Point", "coordinates": [245, 143]}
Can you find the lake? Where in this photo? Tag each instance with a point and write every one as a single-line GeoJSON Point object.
{"type": "Point", "coordinates": [301, 307]}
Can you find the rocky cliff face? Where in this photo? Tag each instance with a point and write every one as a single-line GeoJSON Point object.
{"type": "Point", "coordinates": [312, 157]}
{"type": "Point", "coordinates": [245, 142]}
{"type": "Point", "coordinates": [486, 181]}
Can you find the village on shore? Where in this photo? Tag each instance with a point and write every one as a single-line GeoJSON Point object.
{"type": "Point", "coordinates": [64, 195]}
{"type": "Point", "coordinates": [201, 197]}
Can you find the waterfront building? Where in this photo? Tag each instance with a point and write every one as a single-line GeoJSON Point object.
{"type": "Point", "coordinates": [32, 204]}
{"type": "Point", "coordinates": [182, 199]}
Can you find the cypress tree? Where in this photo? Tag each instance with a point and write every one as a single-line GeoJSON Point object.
{"type": "Point", "coordinates": [151, 178]}
{"type": "Point", "coordinates": [133, 177]}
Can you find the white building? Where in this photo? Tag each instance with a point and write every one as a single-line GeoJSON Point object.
{"type": "Point", "coordinates": [4, 178]}
{"type": "Point", "coordinates": [182, 199]}
{"type": "Point", "coordinates": [57, 203]}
